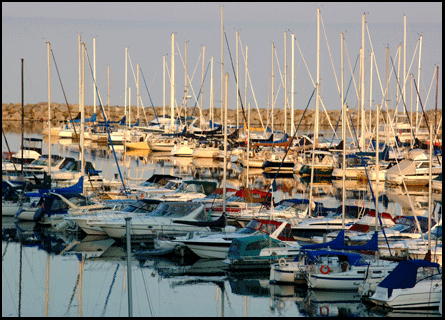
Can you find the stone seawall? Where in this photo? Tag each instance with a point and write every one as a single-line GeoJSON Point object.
{"type": "Point", "coordinates": [36, 114]}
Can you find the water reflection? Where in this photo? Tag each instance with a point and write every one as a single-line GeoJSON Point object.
{"type": "Point", "coordinates": [174, 285]}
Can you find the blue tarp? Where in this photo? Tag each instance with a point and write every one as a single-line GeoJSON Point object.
{"type": "Point", "coordinates": [372, 245]}
{"type": "Point", "coordinates": [74, 189]}
{"type": "Point", "coordinates": [404, 274]}
{"type": "Point", "coordinates": [354, 259]}
{"type": "Point", "coordinates": [339, 244]}
{"type": "Point", "coordinates": [339, 241]}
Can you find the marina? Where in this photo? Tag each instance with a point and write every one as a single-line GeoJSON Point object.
{"type": "Point", "coordinates": [309, 198]}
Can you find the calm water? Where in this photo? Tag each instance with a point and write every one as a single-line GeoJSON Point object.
{"type": "Point", "coordinates": [38, 279]}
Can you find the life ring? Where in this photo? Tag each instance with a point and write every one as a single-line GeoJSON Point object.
{"type": "Point", "coordinates": [142, 195]}
{"type": "Point", "coordinates": [282, 262]}
{"type": "Point", "coordinates": [281, 305]}
{"type": "Point", "coordinates": [325, 269]}
{"type": "Point", "coordinates": [324, 308]}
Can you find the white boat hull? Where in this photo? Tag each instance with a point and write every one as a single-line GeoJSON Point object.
{"type": "Point", "coordinates": [425, 294]}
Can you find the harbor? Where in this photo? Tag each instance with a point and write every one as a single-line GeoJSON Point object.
{"type": "Point", "coordinates": [292, 193]}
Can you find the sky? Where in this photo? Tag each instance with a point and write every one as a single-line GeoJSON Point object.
{"type": "Point", "coordinates": [146, 28]}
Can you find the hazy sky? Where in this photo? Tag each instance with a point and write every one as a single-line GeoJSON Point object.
{"type": "Point", "coordinates": [146, 28]}
{"type": "Point", "coordinates": [419, 12]}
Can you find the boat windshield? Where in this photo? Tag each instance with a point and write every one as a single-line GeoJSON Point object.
{"type": "Point", "coordinates": [190, 188]}
{"type": "Point", "coordinates": [173, 210]}
{"type": "Point", "coordinates": [171, 185]}
{"type": "Point", "coordinates": [140, 207]}
{"type": "Point", "coordinates": [291, 207]}
{"type": "Point", "coordinates": [400, 227]}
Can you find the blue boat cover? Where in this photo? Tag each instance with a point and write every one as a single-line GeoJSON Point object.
{"type": "Point", "coordinates": [339, 241]}
{"type": "Point", "coordinates": [371, 245]}
{"type": "Point", "coordinates": [354, 259]}
{"type": "Point", "coordinates": [404, 274]}
{"type": "Point", "coordinates": [74, 189]}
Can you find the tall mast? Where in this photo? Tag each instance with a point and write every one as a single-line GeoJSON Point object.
{"type": "Point", "coordinates": [222, 61]}
{"type": "Point", "coordinates": [185, 79]}
{"type": "Point", "coordinates": [137, 91]}
{"type": "Point", "coordinates": [237, 79]}
{"type": "Point", "coordinates": [126, 68]}
{"type": "Point", "coordinates": [202, 82]}
{"type": "Point", "coordinates": [272, 86]}
{"type": "Point", "coordinates": [82, 115]}
{"type": "Point", "coordinates": [343, 134]}
{"type": "Point", "coordinates": [163, 85]}
{"type": "Point", "coordinates": [80, 71]}
{"type": "Point", "coordinates": [108, 95]}
{"type": "Point", "coordinates": [48, 46]}
{"type": "Point", "coordinates": [23, 115]}
{"type": "Point", "coordinates": [225, 141]}
{"type": "Point", "coordinates": [292, 126]}
{"type": "Point", "coordinates": [317, 105]}
{"type": "Point", "coordinates": [285, 82]}
{"type": "Point", "coordinates": [404, 58]}
{"type": "Point", "coordinates": [94, 75]}
{"type": "Point", "coordinates": [418, 80]}
{"type": "Point", "coordinates": [211, 91]}
{"type": "Point", "coordinates": [172, 84]}
{"type": "Point", "coordinates": [362, 86]}
{"type": "Point", "coordinates": [377, 168]}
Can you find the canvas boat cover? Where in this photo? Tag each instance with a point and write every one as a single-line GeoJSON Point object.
{"type": "Point", "coordinates": [407, 167]}
{"type": "Point", "coordinates": [404, 274]}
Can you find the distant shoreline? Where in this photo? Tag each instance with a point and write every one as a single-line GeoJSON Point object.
{"type": "Point", "coordinates": [36, 115]}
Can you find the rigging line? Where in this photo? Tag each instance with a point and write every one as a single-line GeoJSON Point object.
{"type": "Point", "coordinates": [236, 80]}
{"type": "Point", "coordinates": [344, 100]}
{"type": "Point", "coordinates": [370, 186]}
{"type": "Point", "coordinates": [9, 150]}
{"type": "Point", "coordinates": [424, 115]}
{"type": "Point", "coordinates": [401, 95]}
{"type": "Point", "coordinates": [66, 100]}
{"type": "Point", "coordinates": [147, 294]}
{"type": "Point", "coordinates": [287, 151]}
{"type": "Point", "coordinates": [253, 94]}
{"type": "Point", "coordinates": [330, 55]}
{"type": "Point", "coordinates": [149, 96]}
{"type": "Point", "coordinates": [199, 93]}
{"type": "Point", "coordinates": [72, 295]}
{"type": "Point", "coordinates": [107, 125]}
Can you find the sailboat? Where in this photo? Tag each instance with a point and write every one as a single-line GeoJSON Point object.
{"type": "Point", "coordinates": [412, 284]}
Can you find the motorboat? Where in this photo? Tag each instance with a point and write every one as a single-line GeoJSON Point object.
{"type": "Point", "coordinates": [276, 162]}
{"type": "Point", "coordinates": [183, 149]}
{"type": "Point", "coordinates": [418, 248]}
{"type": "Point", "coordinates": [188, 190]}
{"type": "Point", "coordinates": [164, 219]}
{"type": "Point", "coordinates": [414, 170]}
{"type": "Point", "coordinates": [412, 284]}
{"type": "Point", "coordinates": [216, 246]}
{"type": "Point", "coordinates": [126, 209]}
{"type": "Point", "coordinates": [320, 225]}
{"type": "Point", "coordinates": [215, 199]}
{"type": "Point", "coordinates": [206, 150]}
{"type": "Point", "coordinates": [355, 167]}
{"type": "Point", "coordinates": [290, 209]}
{"type": "Point", "coordinates": [259, 251]}
{"type": "Point", "coordinates": [163, 144]}
{"type": "Point", "coordinates": [324, 163]}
